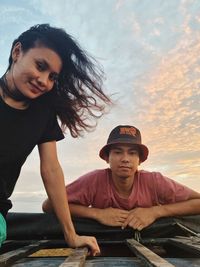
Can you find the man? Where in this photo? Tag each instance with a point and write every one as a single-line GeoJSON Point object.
{"type": "Point", "coordinates": [124, 196]}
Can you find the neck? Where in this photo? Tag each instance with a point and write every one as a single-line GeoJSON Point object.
{"type": "Point", "coordinates": [123, 185]}
{"type": "Point", "coordinates": [13, 96]}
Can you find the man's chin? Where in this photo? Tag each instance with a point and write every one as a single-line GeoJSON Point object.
{"type": "Point", "coordinates": [124, 176]}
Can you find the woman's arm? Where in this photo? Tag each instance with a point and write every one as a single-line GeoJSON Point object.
{"type": "Point", "coordinates": [53, 180]}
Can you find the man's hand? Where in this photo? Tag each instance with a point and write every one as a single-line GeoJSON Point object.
{"type": "Point", "coordinates": [82, 241]}
{"type": "Point", "coordinates": [112, 216]}
{"type": "Point", "coordinates": [140, 218]}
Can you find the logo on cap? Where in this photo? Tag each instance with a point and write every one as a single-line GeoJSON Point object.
{"type": "Point", "coordinates": [128, 130]}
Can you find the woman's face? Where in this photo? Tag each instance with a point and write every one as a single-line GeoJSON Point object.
{"type": "Point", "coordinates": [35, 71]}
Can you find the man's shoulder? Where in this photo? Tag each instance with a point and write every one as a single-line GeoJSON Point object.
{"type": "Point", "coordinates": [98, 173]}
{"type": "Point", "coordinates": [149, 174]}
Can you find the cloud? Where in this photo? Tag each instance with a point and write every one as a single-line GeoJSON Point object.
{"type": "Point", "coordinates": [150, 54]}
{"type": "Point", "coordinates": [172, 111]}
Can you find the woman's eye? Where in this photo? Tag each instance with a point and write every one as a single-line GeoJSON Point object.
{"type": "Point", "coordinates": [40, 66]}
{"type": "Point", "coordinates": [53, 77]}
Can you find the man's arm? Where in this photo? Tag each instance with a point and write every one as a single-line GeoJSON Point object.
{"type": "Point", "coordinates": [81, 195]}
{"type": "Point", "coordinates": [108, 216]}
{"type": "Point", "coordinates": [140, 218]}
{"type": "Point", "coordinates": [47, 207]}
{"type": "Point", "coordinates": [188, 207]}
{"type": "Point", "coordinates": [53, 179]}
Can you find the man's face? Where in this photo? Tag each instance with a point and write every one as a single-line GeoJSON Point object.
{"type": "Point", "coordinates": [123, 160]}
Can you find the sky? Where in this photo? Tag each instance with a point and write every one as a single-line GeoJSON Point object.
{"type": "Point", "coordinates": [150, 53]}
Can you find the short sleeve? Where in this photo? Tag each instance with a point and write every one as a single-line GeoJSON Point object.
{"type": "Point", "coordinates": [80, 191]}
{"type": "Point", "coordinates": [170, 191]}
{"type": "Point", "coordinates": [52, 131]}
{"type": "Point", "coordinates": [92, 189]}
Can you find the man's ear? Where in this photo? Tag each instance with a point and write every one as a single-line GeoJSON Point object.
{"type": "Point", "coordinates": [106, 159]}
{"type": "Point", "coordinates": [17, 49]}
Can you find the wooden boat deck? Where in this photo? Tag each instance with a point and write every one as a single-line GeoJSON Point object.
{"type": "Point", "coordinates": [119, 248]}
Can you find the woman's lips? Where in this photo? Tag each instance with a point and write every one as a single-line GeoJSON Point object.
{"type": "Point", "coordinates": [35, 89]}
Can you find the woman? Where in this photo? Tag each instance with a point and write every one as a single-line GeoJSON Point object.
{"type": "Point", "coordinates": [48, 77]}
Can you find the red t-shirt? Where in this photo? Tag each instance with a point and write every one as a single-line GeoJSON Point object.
{"type": "Point", "coordinates": [96, 189]}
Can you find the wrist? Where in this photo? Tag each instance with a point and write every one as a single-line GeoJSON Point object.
{"type": "Point", "coordinates": [96, 214]}
{"type": "Point", "coordinates": [69, 230]}
{"type": "Point", "coordinates": [158, 211]}
{"type": "Point", "coordinates": [70, 237]}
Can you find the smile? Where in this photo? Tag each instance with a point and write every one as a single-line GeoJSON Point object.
{"type": "Point", "coordinates": [35, 89]}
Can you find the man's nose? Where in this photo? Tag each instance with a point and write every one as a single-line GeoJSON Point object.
{"type": "Point", "coordinates": [125, 157]}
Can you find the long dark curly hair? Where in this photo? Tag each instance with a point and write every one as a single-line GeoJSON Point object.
{"type": "Point", "coordinates": [78, 94]}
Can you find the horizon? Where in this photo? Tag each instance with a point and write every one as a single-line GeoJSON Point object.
{"type": "Point", "coordinates": [149, 51]}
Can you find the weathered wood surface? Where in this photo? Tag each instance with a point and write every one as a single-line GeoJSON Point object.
{"type": "Point", "coordinates": [76, 259]}
{"type": "Point", "coordinates": [191, 244]}
{"type": "Point", "coordinates": [148, 257]}
{"type": "Point", "coordinates": [8, 258]}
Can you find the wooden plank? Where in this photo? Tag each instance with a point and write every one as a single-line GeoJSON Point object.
{"type": "Point", "coordinates": [52, 252]}
{"type": "Point", "coordinates": [148, 257]}
{"type": "Point", "coordinates": [190, 244]}
{"type": "Point", "coordinates": [9, 257]}
{"type": "Point", "coordinates": [187, 229]}
{"type": "Point", "coordinates": [76, 259]}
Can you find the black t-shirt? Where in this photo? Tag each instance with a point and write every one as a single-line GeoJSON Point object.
{"type": "Point", "coordinates": [20, 132]}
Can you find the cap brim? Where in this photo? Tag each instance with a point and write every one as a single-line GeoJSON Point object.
{"type": "Point", "coordinates": [103, 153]}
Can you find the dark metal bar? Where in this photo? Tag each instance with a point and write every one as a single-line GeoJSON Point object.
{"type": "Point", "coordinates": [190, 244]}
{"type": "Point", "coordinates": [10, 257]}
{"type": "Point", "coordinates": [148, 257]}
{"type": "Point", "coordinates": [76, 259]}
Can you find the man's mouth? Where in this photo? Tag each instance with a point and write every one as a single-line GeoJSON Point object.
{"type": "Point", "coordinates": [124, 167]}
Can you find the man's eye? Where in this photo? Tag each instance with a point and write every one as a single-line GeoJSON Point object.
{"type": "Point", "coordinates": [133, 152]}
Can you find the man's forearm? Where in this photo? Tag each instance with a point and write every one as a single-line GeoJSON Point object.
{"type": "Point", "coordinates": [83, 211]}
{"type": "Point", "coordinates": [189, 207]}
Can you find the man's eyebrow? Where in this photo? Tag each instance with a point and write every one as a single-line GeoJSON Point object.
{"type": "Point", "coordinates": [117, 147]}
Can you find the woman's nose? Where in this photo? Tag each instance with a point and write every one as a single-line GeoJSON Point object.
{"type": "Point", "coordinates": [43, 80]}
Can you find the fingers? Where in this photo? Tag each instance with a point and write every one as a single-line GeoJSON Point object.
{"type": "Point", "coordinates": [133, 222]}
{"type": "Point", "coordinates": [119, 221]}
{"type": "Point", "coordinates": [122, 216]}
{"type": "Point", "coordinates": [136, 225]}
{"type": "Point", "coordinates": [126, 222]}
{"type": "Point", "coordinates": [90, 241]}
{"type": "Point", "coordinates": [94, 247]}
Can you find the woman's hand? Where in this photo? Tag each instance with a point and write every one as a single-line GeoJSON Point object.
{"type": "Point", "coordinates": [81, 241]}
